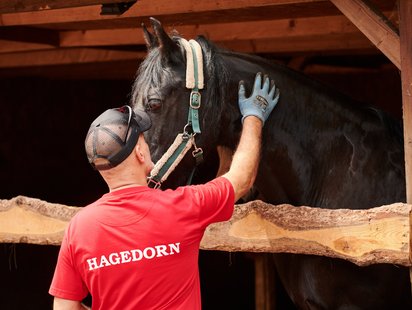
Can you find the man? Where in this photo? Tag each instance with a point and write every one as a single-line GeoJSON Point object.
{"type": "Point", "coordinates": [137, 247]}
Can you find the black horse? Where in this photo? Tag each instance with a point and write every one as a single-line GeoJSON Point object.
{"type": "Point", "coordinates": [320, 149]}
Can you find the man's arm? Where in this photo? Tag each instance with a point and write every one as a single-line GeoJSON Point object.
{"type": "Point", "coordinates": [245, 162]}
{"type": "Point", "coordinates": [255, 110]}
{"type": "Point", "coordinates": [66, 304]}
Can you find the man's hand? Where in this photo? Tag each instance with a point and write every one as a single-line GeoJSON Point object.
{"type": "Point", "coordinates": [261, 102]}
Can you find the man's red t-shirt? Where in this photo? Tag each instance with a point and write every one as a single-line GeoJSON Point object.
{"type": "Point", "coordinates": [137, 248]}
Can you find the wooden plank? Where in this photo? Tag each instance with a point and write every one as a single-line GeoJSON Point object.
{"type": "Point", "coordinates": [12, 46]}
{"type": "Point", "coordinates": [39, 55]}
{"type": "Point", "coordinates": [114, 70]}
{"type": "Point", "coordinates": [13, 6]}
{"type": "Point", "coordinates": [218, 32]}
{"type": "Point", "coordinates": [331, 43]}
{"type": "Point", "coordinates": [66, 56]}
{"type": "Point", "coordinates": [177, 12]}
{"type": "Point", "coordinates": [378, 235]}
{"type": "Point", "coordinates": [374, 26]}
{"type": "Point", "coordinates": [406, 61]}
{"type": "Point", "coordinates": [25, 220]}
{"type": "Point", "coordinates": [30, 35]}
{"type": "Point", "coordinates": [265, 286]}
{"type": "Point", "coordinates": [326, 33]}
{"type": "Point", "coordinates": [405, 28]}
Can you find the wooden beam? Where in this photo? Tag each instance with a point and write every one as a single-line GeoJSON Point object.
{"type": "Point", "coordinates": [316, 44]}
{"type": "Point", "coordinates": [306, 35]}
{"type": "Point", "coordinates": [14, 6]}
{"type": "Point", "coordinates": [180, 12]}
{"type": "Point", "coordinates": [374, 25]}
{"type": "Point", "coordinates": [26, 220]}
{"type": "Point", "coordinates": [115, 70]}
{"type": "Point", "coordinates": [30, 35]}
{"type": "Point", "coordinates": [405, 27]}
{"type": "Point", "coordinates": [17, 46]}
{"type": "Point", "coordinates": [66, 56]}
{"type": "Point", "coordinates": [265, 286]}
{"type": "Point", "coordinates": [177, 12]}
{"type": "Point", "coordinates": [218, 32]}
{"type": "Point", "coordinates": [377, 235]}
{"type": "Point", "coordinates": [30, 55]}
{"type": "Point", "coordinates": [406, 62]}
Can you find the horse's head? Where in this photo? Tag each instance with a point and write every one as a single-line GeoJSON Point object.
{"type": "Point", "coordinates": [160, 89]}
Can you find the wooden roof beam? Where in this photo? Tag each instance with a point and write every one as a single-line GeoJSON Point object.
{"type": "Point", "coordinates": [76, 55]}
{"type": "Point", "coordinates": [30, 35]}
{"type": "Point", "coordinates": [175, 12]}
{"type": "Point", "coordinates": [253, 30]}
{"type": "Point", "coordinates": [65, 57]}
{"type": "Point", "coordinates": [179, 12]}
{"type": "Point", "coordinates": [284, 32]}
{"type": "Point", "coordinates": [16, 46]}
{"type": "Point", "coordinates": [315, 44]}
{"type": "Point", "coordinates": [374, 26]}
{"type": "Point", "coordinates": [15, 6]}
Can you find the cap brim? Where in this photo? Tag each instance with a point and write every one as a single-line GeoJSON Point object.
{"type": "Point", "coordinates": [143, 120]}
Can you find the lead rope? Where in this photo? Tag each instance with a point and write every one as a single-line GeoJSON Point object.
{"type": "Point", "coordinates": [184, 141]}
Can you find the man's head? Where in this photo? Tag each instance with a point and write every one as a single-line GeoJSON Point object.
{"type": "Point", "coordinates": [113, 136]}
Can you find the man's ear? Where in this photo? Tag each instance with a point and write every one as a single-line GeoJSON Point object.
{"type": "Point", "coordinates": [139, 153]}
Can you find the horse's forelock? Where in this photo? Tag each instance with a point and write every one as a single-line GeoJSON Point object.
{"type": "Point", "coordinates": [150, 72]}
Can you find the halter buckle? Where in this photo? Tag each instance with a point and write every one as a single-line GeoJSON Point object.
{"type": "Point", "coordinates": [153, 184]}
{"type": "Point", "coordinates": [197, 152]}
{"type": "Point", "coordinates": [195, 99]}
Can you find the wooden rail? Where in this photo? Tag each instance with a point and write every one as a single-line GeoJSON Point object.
{"type": "Point", "coordinates": [364, 237]}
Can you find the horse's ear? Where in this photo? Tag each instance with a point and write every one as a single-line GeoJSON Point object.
{"type": "Point", "coordinates": [150, 39]}
{"type": "Point", "coordinates": [169, 49]}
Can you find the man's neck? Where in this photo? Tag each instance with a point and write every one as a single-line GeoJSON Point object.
{"type": "Point", "coordinates": [117, 187]}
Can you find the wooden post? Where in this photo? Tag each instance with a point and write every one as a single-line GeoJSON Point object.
{"type": "Point", "coordinates": [405, 28]}
{"type": "Point", "coordinates": [374, 25]}
{"type": "Point", "coordinates": [265, 290]}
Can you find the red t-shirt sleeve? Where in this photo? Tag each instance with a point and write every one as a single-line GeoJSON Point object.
{"type": "Point", "coordinates": [216, 200]}
{"type": "Point", "coordinates": [67, 282]}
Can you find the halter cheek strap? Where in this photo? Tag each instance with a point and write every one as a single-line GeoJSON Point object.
{"type": "Point", "coordinates": [194, 80]}
{"type": "Point", "coordinates": [184, 141]}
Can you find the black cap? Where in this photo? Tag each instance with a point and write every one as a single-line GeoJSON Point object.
{"type": "Point", "coordinates": [113, 135]}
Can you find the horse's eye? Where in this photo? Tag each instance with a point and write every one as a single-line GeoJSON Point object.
{"type": "Point", "coordinates": [153, 104]}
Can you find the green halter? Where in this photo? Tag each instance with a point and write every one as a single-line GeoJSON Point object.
{"type": "Point", "coordinates": [195, 97]}
{"type": "Point", "coordinates": [184, 141]}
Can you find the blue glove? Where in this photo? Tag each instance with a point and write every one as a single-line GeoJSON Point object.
{"type": "Point", "coordinates": [261, 102]}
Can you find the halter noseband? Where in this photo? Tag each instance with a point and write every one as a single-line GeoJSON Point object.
{"type": "Point", "coordinates": [186, 140]}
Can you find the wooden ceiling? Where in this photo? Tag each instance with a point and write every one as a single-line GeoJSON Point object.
{"type": "Point", "coordinates": [72, 38]}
